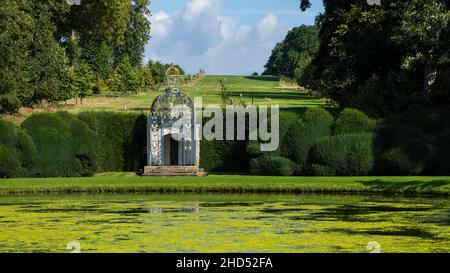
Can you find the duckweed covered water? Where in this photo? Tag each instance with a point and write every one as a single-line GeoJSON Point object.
{"type": "Point", "coordinates": [223, 223]}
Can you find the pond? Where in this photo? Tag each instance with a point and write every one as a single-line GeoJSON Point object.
{"type": "Point", "coordinates": [223, 223]}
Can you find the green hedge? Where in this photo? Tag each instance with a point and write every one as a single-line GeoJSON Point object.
{"type": "Point", "coordinates": [344, 155]}
{"type": "Point", "coordinates": [352, 121]}
{"type": "Point", "coordinates": [122, 139]}
{"type": "Point", "coordinates": [270, 164]}
{"type": "Point", "coordinates": [311, 142]}
{"type": "Point", "coordinates": [17, 151]}
{"type": "Point", "coordinates": [312, 126]}
{"type": "Point", "coordinates": [411, 157]}
{"type": "Point", "coordinates": [66, 147]}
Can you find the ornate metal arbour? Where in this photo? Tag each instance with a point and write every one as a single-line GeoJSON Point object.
{"type": "Point", "coordinates": [160, 124]}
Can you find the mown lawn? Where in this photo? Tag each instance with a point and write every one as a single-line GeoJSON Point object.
{"type": "Point", "coordinates": [128, 182]}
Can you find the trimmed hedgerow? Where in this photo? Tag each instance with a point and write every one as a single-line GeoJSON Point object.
{"type": "Point", "coordinates": [224, 156]}
{"type": "Point", "coordinates": [344, 155]}
{"type": "Point", "coordinates": [17, 151]}
{"type": "Point", "coordinates": [65, 145]}
{"type": "Point", "coordinates": [314, 125]}
{"type": "Point", "coordinates": [122, 139]}
{"type": "Point", "coordinates": [440, 164]}
{"type": "Point", "coordinates": [271, 164]}
{"type": "Point", "coordinates": [10, 166]}
{"type": "Point", "coordinates": [352, 121]}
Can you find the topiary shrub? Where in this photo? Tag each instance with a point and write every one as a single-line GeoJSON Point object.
{"type": "Point", "coordinates": [314, 125]}
{"type": "Point", "coordinates": [8, 134]}
{"type": "Point", "coordinates": [224, 156]}
{"type": "Point", "coordinates": [320, 170]}
{"type": "Point", "coordinates": [441, 159]}
{"type": "Point", "coordinates": [18, 151]}
{"type": "Point", "coordinates": [352, 121]}
{"type": "Point", "coordinates": [410, 157]}
{"type": "Point", "coordinates": [271, 164]}
{"type": "Point", "coordinates": [27, 149]}
{"type": "Point", "coordinates": [426, 119]}
{"type": "Point", "coordinates": [122, 139]}
{"type": "Point", "coordinates": [346, 155]}
{"type": "Point", "coordinates": [10, 165]}
{"type": "Point", "coordinates": [65, 145]}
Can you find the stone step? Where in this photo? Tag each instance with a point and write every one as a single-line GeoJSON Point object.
{"type": "Point", "coordinates": [173, 171]}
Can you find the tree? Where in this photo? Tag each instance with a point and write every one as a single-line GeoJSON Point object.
{"type": "Point", "coordinates": [375, 58]}
{"type": "Point", "coordinates": [421, 27]}
{"type": "Point", "coordinates": [16, 33]}
{"type": "Point", "coordinates": [49, 61]}
{"type": "Point", "coordinates": [137, 34]}
{"type": "Point", "coordinates": [84, 80]}
{"type": "Point", "coordinates": [125, 77]}
{"type": "Point", "coordinates": [299, 46]}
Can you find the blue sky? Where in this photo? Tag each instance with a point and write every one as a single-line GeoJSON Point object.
{"type": "Point", "coordinates": [222, 36]}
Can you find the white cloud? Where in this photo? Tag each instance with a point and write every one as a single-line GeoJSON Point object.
{"type": "Point", "coordinates": [268, 23]}
{"type": "Point", "coordinates": [200, 37]}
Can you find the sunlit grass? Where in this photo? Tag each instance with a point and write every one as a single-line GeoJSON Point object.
{"type": "Point", "coordinates": [129, 182]}
{"type": "Point", "coordinates": [259, 90]}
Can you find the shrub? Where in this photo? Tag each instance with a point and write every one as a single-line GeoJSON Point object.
{"type": "Point", "coordinates": [320, 170]}
{"type": "Point", "coordinates": [65, 145]}
{"type": "Point", "coordinates": [224, 156]}
{"type": "Point", "coordinates": [427, 120]}
{"type": "Point", "coordinates": [352, 121]}
{"type": "Point", "coordinates": [8, 134]}
{"type": "Point", "coordinates": [18, 150]}
{"type": "Point", "coordinates": [10, 166]}
{"type": "Point", "coordinates": [270, 164]}
{"type": "Point", "coordinates": [411, 157]}
{"type": "Point", "coordinates": [441, 159]}
{"type": "Point", "coordinates": [347, 155]}
{"type": "Point", "coordinates": [27, 149]}
{"type": "Point", "coordinates": [314, 125]}
{"type": "Point", "coordinates": [122, 139]}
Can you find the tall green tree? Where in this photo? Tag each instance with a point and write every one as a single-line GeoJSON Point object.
{"type": "Point", "coordinates": [137, 34]}
{"type": "Point", "coordinates": [299, 46]}
{"type": "Point", "coordinates": [16, 33]}
{"type": "Point", "coordinates": [422, 25]}
{"type": "Point", "coordinates": [380, 58]}
{"type": "Point", "coordinates": [49, 61]}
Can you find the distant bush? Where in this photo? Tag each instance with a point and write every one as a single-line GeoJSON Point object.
{"type": "Point", "coordinates": [346, 155]}
{"type": "Point", "coordinates": [65, 145]}
{"type": "Point", "coordinates": [272, 165]}
{"type": "Point", "coordinates": [313, 125]}
{"type": "Point", "coordinates": [352, 121]}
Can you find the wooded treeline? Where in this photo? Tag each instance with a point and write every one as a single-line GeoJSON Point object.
{"type": "Point", "coordinates": [51, 51]}
{"type": "Point", "coordinates": [380, 59]}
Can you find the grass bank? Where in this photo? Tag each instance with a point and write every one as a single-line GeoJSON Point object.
{"type": "Point", "coordinates": [130, 183]}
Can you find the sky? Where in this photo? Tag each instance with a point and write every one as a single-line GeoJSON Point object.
{"type": "Point", "coordinates": [224, 37]}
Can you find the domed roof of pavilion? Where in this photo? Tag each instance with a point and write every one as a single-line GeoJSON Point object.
{"type": "Point", "coordinates": [164, 103]}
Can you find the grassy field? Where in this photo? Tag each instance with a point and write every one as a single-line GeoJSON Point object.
{"type": "Point", "coordinates": [128, 182]}
{"type": "Point", "coordinates": [262, 90]}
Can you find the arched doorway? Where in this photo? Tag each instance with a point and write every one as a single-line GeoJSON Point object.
{"type": "Point", "coordinates": [171, 150]}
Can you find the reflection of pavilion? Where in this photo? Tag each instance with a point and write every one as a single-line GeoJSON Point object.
{"type": "Point", "coordinates": [172, 150]}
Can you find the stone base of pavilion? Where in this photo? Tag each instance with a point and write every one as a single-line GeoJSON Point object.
{"type": "Point", "coordinates": [173, 171]}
